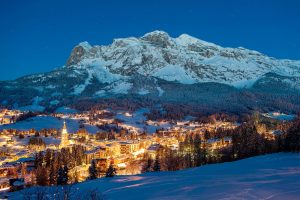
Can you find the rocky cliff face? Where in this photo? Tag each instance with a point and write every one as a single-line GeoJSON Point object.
{"type": "Point", "coordinates": [154, 65]}
{"type": "Point", "coordinates": [78, 53]}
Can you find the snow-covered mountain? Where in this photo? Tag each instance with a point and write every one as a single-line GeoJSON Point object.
{"type": "Point", "coordinates": [184, 59]}
{"type": "Point", "coordinates": [151, 65]}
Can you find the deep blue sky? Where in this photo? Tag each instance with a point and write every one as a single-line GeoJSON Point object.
{"type": "Point", "coordinates": [37, 36]}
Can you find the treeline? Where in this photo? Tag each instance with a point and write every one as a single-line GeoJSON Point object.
{"type": "Point", "coordinates": [43, 132]}
{"type": "Point", "coordinates": [36, 141]}
{"type": "Point", "coordinates": [248, 142]}
{"type": "Point", "coordinates": [172, 111]}
{"type": "Point", "coordinates": [292, 139]}
{"type": "Point", "coordinates": [189, 154]}
{"type": "Point", "coordinates": [96, 171]}
{"type": "Point", "coordinates": [199, 101]}
{"type": "Point", "coordinates": [52, 167]}
{"type": "Point", "coordinates": [26, 115]}
{"type": "Point", "coordinates": [131, 103]}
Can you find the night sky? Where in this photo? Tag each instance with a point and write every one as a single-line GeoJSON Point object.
{"type": "Point", "coordinates": [37, 36]}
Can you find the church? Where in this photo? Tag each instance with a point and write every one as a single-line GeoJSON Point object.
{"type": "Point", "coordinates": [64, 142]}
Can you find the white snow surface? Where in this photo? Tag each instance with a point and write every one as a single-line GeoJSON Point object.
{"type": "Point", "coordinates": [85, 45]}
{"type": "Point", "coordinates": [143, 91]}
{"type": "Point", "coordinates": [135, 121]}
{"type": "Point", "coordinates": [175, 73]}
{"type": "Point", "coordinates": [54, 102]}
{"type": "Point", "coordinates": [185, 40]}
{"type": "Point", "coordinates": [274, 176]}
{"type": "Point", "coordinates": [160, 91]}
{"type": "Point", "coordinates": [120, 87]}
{"type": "Point", "coordinates": [65, 110]}
{"type": "Point", "coordinates": [44, 122]}
{"type": "Point", "coordinates": [95, 69]}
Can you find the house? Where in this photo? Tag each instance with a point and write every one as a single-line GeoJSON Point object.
{"type": "Point", "coordinates": [152, 150]}
{"type": "Point", "coordinates": [129, 147]}
{"type": "Point", "coordinates": [16, 184]}
{"type": "Point", "coordinates": [4, 184]}
{"type": "Point", "coordinates": [113, 149]}
{"type": "Point", "coordinates": [217, 143]}
{"type": "Point", "coordinates": [93, 154]}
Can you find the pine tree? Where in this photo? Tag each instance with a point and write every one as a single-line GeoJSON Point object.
{"type": "Point", "coordinates": [54, 170]}
{"type": "Point", "coordinates": [111, 171]}
{"type": "Point", "coordinates": [38, 159]}
{"type": "Point", "coordinates": [66, 173]}
{"type": "Point", "coordinates": [156, 166]}
{"type": "Point", "coordinates": [292, 139]}
{"type": "Point", "coordinates": [187, 160]}
{"type": "Point", "coordinates": [93, 170]}
{"type": "Point", "coordinates": [42, 176]}
{"type": "Point", "coordinates": [147, 167]}
{"type": "Point", "coordinates": [197, 151]}
{"type": "Point", "coordinates": [48, 158]}
{"type": "Point", "coordinates": [62, 178]}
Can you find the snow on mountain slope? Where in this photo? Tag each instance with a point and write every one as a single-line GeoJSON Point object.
{"type": "Point", "coordinates": [95, 68]}
{"type": "Point", "coordinates": [274, 176]}
{"type": "Point", "coordinates": [185, 59]}
{"type": "Point", "coordinates": [175, 73]}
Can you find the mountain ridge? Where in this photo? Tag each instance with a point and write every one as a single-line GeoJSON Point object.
{"type": "Point", "coordinates": [201, 61]}
{"type": "Point", "coordinates": [154, 66]}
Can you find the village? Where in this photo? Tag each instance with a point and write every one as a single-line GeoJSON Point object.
{"type": "Point", "coordinates": [118, 144]}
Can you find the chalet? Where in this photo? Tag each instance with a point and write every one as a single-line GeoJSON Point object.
{"type": "Point", "coordinates": [93, 154]}
{"type": "Point", "coordinates": [152, 150]}
{"type": "Point", "coordinates": [4, 184]}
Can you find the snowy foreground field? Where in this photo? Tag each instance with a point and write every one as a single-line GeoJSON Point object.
{"type": "Point", "coordinates": [275, 176]}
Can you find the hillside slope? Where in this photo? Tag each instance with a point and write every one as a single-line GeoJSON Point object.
{"type": "Point", "coordinates": [275, 176]}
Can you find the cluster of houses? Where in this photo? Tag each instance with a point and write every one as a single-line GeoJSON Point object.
{"type": "Point", "coordinates": [15, 175]}
{"type": "Point", "coordinates": [9, 116]}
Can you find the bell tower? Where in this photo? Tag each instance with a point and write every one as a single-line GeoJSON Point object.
{"type": "Point", "coordinates": [64, 137]}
